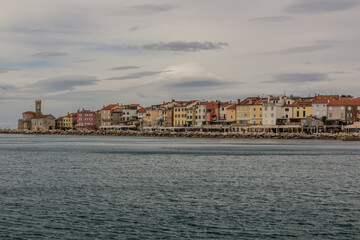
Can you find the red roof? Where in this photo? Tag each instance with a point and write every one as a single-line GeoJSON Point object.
{"type": "Point", "coordinates": [210, 105]}
{"type": "Point", "coordinates": [41, 116]}
{"type": "Point", "coordinates": [142, 110]}
{"type": "Point", "coordinates": [111, 106]}
{"type": "Point", "coordinates": [326, 97]}
{"type": "Point", "coordinates": [72, 114]}
{"type": "Point", "coordinates": [339, 102]}
{"type": "Point", "coordinates": [189, 103]}
{"type": "Point", "coordinates": [249, 101]}
{"type": "Point", "coordinates": [59, 119]}
{"type": "Point", "coordinates": [29, 112]}
{"type": "Point", "coordinates": [301, 104]}
{"type": "Point", "coordinates": [232, 107]}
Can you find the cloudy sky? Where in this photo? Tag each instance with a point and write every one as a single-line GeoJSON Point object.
{"type": "Point", "coordinates": [88, 53]}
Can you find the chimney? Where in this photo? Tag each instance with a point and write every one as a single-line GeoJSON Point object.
{"type": "Point", "coordinates": [238, 101]}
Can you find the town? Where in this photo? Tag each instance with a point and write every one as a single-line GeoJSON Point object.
{"type": "Point", "coordinates": [274, 113]}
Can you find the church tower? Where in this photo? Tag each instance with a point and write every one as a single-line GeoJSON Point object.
{"type": "Point", "coordinates": [38, 108]}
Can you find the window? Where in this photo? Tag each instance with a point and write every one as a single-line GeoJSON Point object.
{"type": "Point", "coordinates": [272, 108]}
{"type": "Point", "coordinates": [254, 115]}
{"type": "Point", "coordinates": [342, 107]}
{"type": "Point", "coordinates": [272, 115]}
{"type": "Point", "coordinates": [303, 113]}
{"type": "Point", "coordinates": [254, 109]}
{"type": "Point", "coordinates": [265, 108]}
{"type": "Point", "coordinates": [330, 115]}
{"type": "Point", "coordinates": [245, 114]}
{"type": "Point", "coordinates": [330, 108]}
{"type": "Point", "coordinates": [260, 115]}
{"type": "Point", "coordinates": [297, 114]}
{"type": "Point", "coordinates": [260, 109]}
{"type": "Point", "coordinates": [286, 109]}
{"type": "Point", "coordinates": [349, 108]}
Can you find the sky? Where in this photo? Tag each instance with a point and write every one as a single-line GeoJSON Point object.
{"type": "Point", "coordinates": [75, 54]}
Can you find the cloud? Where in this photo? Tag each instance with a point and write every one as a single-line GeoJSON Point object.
{"type": "Point", "coordinates": [6, 87]}
{"type": "Point", "coordinates": [124, 68]}
{"type": "Point", "coordinates": [273, 19]}
{"type": "Point", "coordinates": [317, 46]}
{"type": "Point", "coordinates": [49, 54]}
{"type": "Point", "coordinates": [299, 77]}
{"type": "Point", "coordinates": [64, 83]}
{"type": "Point", "coordinates": [136, 75]}
{"type": "Point", "coordinates": [86, 60]}
{"type": "Point", "coordinates": [180, 46]}
{"type": "Point", "coordinates": [197, 83]}
{"type": "Point", "coordinates": [146, 9]}
{"type": "Point", "coordinates": [135, 28]}
{"type": "Point", "coordinates": [321, 6]}
{"type": "Point", "coordinates": [7, 69]}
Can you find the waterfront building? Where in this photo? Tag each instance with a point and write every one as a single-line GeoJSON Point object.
{"type": "Point", "coordinates": [243, 110]}
{"type": "Point", "coordinates": [301, 110]}
{"type": "Point", "coordinates": [180, 113]}
{"type": "Point", "coordinates": [85, 120]}
{"type": "Point", "coordinates": [43, 123]}
{"type": "Point", "coordinates": [319, 105]}
{"type": "Point", "coordinates": [256, 112]}
{"type": "Point", "coordinates": [191, 116]}
{"type": "Point", "coordinates": [152, 115]}
{"type": "Point", "coordinates": [69, 121]}
{"type": "Point", "coordinates": [352, 110]}
{"type": "Point", "coordinates": [25, 122]}
{"type": "Point", "coordinates": [130, 112]}
{"type": "Point", "coordinates": [231, 114]}
{"type": "Point", "coordinates": [336, 110]}
{"type": "Point", "coordinates": [200, 114]}
{"type": "Point", "coordinates": [212, 112]}
{"type": "Point", "coordinates": [59, 123]}
{"type": "Point", "coordinates": [108, 116]}
{"type": "Point", "coordinates": [36, 120]}
{"type": "Point", "coordinates": [277, 110]}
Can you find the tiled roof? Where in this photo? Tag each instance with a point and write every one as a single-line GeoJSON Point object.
{"type": "Point", "coordinates": [111, 106]}
{"type": "Point", "coordinates": [71, 115]}
{"type": "Point", "coordinates": [326, 97]}
{"type": "Point", "coordinates": [29, 112]}
{"type": "Point", "coordinates": [142, 110]}
{"type": "Point", "coordinates": [301, 104]}
{"type": "Point", "coordinates": [339, 102]}
{"type": "Point", "coordinates": [232, 106]}
{"type": "Point", "coordinates": [247, 101]}
{"type": "Point", "coordinates": [40, 116]}
{"type": "Point", "coordinates": [59, 119]}
{"type": "Point", "coordinates": [189, 103]}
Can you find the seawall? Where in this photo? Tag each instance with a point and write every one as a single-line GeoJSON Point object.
{"type": "Point", "coordinates": [253, 135]}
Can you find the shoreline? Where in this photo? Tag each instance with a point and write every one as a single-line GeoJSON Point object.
{"type": "Point", "coordinates": [250, 135]}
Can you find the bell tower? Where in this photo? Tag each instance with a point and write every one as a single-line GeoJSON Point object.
{"type": "Point", "coordinates": [38, 108]}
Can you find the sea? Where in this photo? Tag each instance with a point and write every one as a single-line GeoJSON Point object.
{"type": "Point", "coordinates": [108, 187]}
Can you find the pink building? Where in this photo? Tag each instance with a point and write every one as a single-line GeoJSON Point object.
{"type": "Point", "coordinates": [85, 120]}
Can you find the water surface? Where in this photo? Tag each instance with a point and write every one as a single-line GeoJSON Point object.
{"type": "Point", "coordinates": [83, 187]}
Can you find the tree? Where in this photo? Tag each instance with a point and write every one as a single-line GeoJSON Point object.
{"type": "Point", "coordinates": [323, 118]}
{"type": "Point", "coordinates": [344, 96]}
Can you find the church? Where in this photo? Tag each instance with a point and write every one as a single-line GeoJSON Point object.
{"type": "Point", "coordinates": [36, 121]}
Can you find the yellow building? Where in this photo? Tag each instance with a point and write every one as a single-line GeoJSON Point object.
{"type": "Point", "coordinates": [243, 110]}
{"type": "Point", "coordinates": [66, 122]}
{"type": "Point", "coordinates": [301, 109]}
{"type": "Point", "coordinates": [231, 113]}
{"type": "Point", "coordinates": [191, 116]}
{"type": "Point", "coordinates": [181, 114]}
{"type": "Point", "coordinates": [256, 113]}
